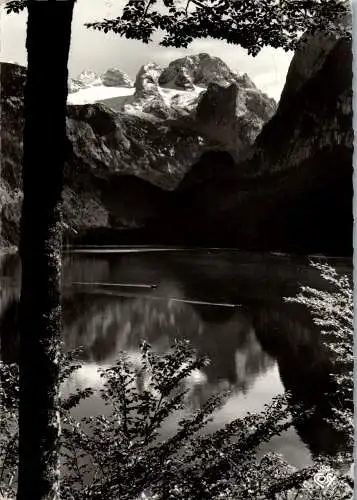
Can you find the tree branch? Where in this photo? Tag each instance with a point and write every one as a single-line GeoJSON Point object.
{"type": "Point", "coordinates": [196, 2]}
{"type": "Point", "coordinates": [147, 8]}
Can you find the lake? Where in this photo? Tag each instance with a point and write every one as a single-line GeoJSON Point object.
{"type": "Point", "coordinates": [228, 303]}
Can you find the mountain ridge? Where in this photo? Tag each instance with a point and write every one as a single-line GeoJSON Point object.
{"type": "Point", "coordinates": [297, 180]}
{"type": "Point", "coordinates": [226, 169]}
{"type": "Point", "coordinates": [147, 131]}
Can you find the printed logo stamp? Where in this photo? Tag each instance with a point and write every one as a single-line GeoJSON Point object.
{"type": "Point", "coordinates": [324, 479]}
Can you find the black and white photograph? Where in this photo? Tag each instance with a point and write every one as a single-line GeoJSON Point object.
{"type": "Point", "coordinates": [176, 250]}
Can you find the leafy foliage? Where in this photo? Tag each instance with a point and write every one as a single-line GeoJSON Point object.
{"type": "Point", "coordinates": [252, 24]}
{"type": "Point", "coordinates": [15, 6]}
{"type": "Point", "coordinates": [332, 311]}
{"type": "Point", "coordinates": [122, 455]}
{"type": "Point", "coordinates": [9, 392]}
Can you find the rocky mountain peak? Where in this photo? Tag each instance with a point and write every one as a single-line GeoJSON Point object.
{"type": "Point", "coordinates": [308, 61]}
{"type": "Point", "coordinates": [200, 69]}
{"type": "Point", "coordinates": [312, 54]}
{"type": "Point", "coordinates": [298, 177]}
{"type": "Point", "coordinates": [147, 79]}
{"type": "Point", "coordinates": [316, 103]}
{"type": "Point", "coordinates": [147, 97]}
{"type": "Point", "coordinates": [219, 102]}
{"type": "Point", "coordinates": [85, 79]}
{"type": "Point", "coordinates": [115, 77]}
{"type": "Point", "coordinates": [235, 114]}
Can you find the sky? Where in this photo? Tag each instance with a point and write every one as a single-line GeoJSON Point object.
{"type": "Point", "coordinates": [98, 51]}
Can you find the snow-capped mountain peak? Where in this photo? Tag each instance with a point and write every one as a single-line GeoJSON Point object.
{"type": "Point", "coordinates": [84, 80]}
{"type": "Point", "coordinates": [162, 92]}
{"type": "Point", "coordinates": [197, 70]}
{"type": "Point", "coordinates": [112, 77]}
{"type": "Point", "coordinates": [115, 77]}
{"type": "Point", "coordinates": [200, 91]}
{"type": "Point", "coordinates": [90, 87]}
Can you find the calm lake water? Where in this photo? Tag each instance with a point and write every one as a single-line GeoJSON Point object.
{"type": "Point", "coordinates": [229, 304]}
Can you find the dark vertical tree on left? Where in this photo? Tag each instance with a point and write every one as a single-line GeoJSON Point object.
{"type": "Point", "coordinates": [44, 145]}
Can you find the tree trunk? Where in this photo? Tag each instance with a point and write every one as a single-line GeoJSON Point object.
{"type": "Point", "coordinates": [48, 41]}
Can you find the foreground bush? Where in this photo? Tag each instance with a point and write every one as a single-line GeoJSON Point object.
{"type": "Point", "coordinates": [332, 312]}
{"type": "Point", "coordinates": [123, 455]}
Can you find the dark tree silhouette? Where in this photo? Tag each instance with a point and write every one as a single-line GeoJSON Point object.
{"type": "Point", "coordinates": [48, 42]}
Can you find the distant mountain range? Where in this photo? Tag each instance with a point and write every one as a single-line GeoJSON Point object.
{"type": "Point", "coordinates": [195, 153]}
{"type": "Point", "coordinates": [198, 93]}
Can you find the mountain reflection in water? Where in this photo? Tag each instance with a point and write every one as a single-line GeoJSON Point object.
{"type": "Point", "coordinates": [258, 345]}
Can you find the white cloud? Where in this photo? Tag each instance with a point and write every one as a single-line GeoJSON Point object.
{"type": "Point", "coordinates": [98, 51]}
